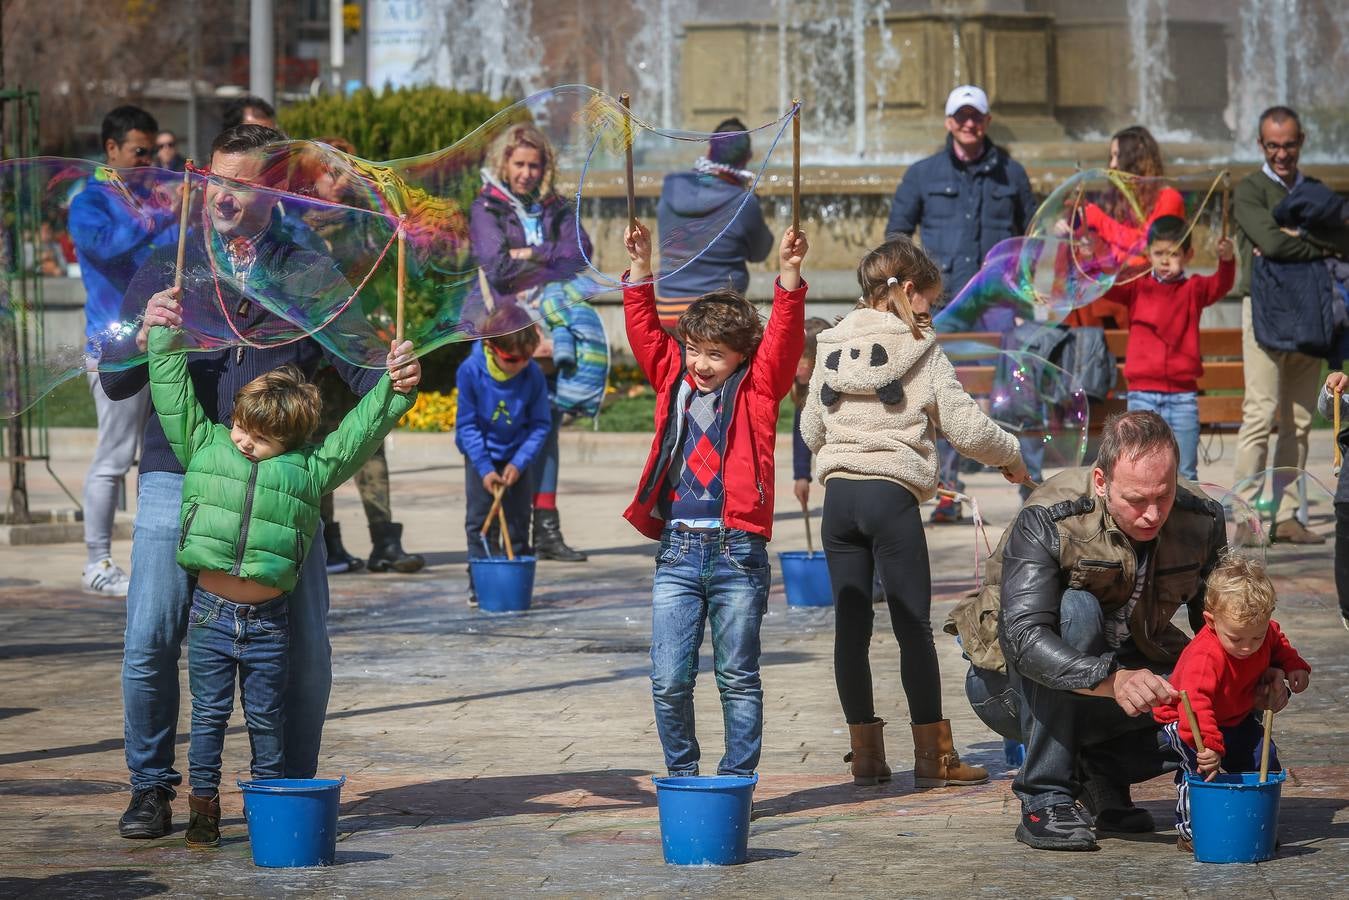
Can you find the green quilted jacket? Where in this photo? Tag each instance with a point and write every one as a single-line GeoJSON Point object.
{"type": "Point", "coordinates": [251, 519]}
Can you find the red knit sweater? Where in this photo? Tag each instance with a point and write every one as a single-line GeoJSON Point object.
{"type": "Point", "coordinates": [1164, 327]}
{"type": "Point", "coordinates": [1222, 687]}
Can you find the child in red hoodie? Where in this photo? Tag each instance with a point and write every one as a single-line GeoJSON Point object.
{"type": "Point", "coordinates": [1220, 670]}
{"type": "Point", "coordinates": [707, 492]}
{"type": "Point", "coordinates": [1163, 364]}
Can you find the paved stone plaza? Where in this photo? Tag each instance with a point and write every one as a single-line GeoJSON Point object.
{"type": "Point", "coordinates": [499, 755]}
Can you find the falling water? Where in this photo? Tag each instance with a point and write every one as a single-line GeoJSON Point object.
{"type": "Point", "coordinates": [859, 69]}
{"type": "Point", "coordinates": [653, 54]}
{"type": "Point", "coordinates": [487, 47]}
{"type": "Point", "coordinates": [1149, 47]}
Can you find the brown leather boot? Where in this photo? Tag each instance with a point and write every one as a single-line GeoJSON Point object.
{"type": "Point", "coordinates": [203, 824]}
{"type": "Point", "coordinates": [936, 762]}
{"type": "Point", "coordinates": [868, 753]}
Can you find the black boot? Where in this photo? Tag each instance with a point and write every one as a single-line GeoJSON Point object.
{"type": "Point", "coordinates": [387, 551]}
{"type": "Point", "coordinates": [548, 542]}
{"type": "Point", "coordinates": [339, 560]}
{"type": "Point", "coordinates": [149, 815]}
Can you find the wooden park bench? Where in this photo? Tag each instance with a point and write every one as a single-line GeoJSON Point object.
{"type": "Point", "coordinates": [1219, 389]}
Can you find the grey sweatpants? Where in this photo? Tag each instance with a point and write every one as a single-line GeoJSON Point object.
{"type": "Point", "coordinates": [121, 423]}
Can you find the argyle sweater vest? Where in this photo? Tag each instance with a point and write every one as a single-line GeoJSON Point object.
{"type": "Point", "coordinates": [697, 491]}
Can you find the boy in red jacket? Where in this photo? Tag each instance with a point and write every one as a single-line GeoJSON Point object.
{"type": "Point", "coordinates": [707, 491]}
{"type": "Point", "coordinates": [1220, 669]}
{"type": "Point", "coordinates": [1163, 364]}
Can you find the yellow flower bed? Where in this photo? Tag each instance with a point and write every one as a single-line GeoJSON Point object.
{"type": "Point", "coordinates": [433, 411]}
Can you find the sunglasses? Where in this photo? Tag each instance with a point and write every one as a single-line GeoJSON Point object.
{"type": "Point", "coordinates": [505, 357]}
{"type": "Point", "coordinates": [141, 152]}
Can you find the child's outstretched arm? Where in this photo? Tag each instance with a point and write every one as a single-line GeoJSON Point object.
{"type": "Point", "coordinates": [365, 427]}
{"type": "Point", "coordinates": [784, 337]}
{"type": "Point", "coordinates": [790, 256]}
{"type": "Point", "coordinates": [637, 241]}
{"type": "Point", "coordinates": [657, 354]}
{"type": "Point", "coordinates": [967, 427]}
{"type": "Point", "coordinates": [180, 413]}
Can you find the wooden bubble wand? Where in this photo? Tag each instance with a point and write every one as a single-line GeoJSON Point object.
{"type": "Point", "coordinates": [402, 282]}
{"type": "Point", "coordinates": [1264, 751]}
{"type": "Point", "coordinates": [1227, 201]}
{"type": "Point", "coordinates": [796, 167]}
{"type": "Point", "coordinates": [1194, 721]}
{"type": "Point", "coordinates": [627, 161]}
{"type": "Point", "coordinates": [184, 208]}
{"type": "Point", "coordinates": [805, 514]}
{"type": "Point", "coordinates": [1339, 456]}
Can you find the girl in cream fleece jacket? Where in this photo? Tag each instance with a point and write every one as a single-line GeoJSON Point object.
{"type": "Point", "coordinates": [881, 390]}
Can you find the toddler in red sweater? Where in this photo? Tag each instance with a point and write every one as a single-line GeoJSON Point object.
{"type": "Point", "coordinates": [1163, 364]}
{"type": "Point", "coordinates": [1220, 670]}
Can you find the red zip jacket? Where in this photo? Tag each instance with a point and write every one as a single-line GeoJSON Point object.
{"type": "Point", "coordinates": [754, 394]}
{"type": "Point", "coordinates": [1222, 687]}
{"type": "Point", "coordinates": [1164, 328]}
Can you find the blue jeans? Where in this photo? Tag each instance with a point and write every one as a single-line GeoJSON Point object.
{"type": "Point", "coordinates": [253, 640]}
{"type": "Point", "coordinates": [1181, 412]}
{"type": "Point", "coordinates": [722, 576]}
{"type": "Point", "coordinates": [157, 607]}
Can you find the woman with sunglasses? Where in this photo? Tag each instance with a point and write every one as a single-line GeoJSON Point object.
{"type": "Point", "coordinates": [525, 237]}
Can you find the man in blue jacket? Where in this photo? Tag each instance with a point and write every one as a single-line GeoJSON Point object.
{"type": "Point", "coordinates": [112, 239]}
{"type": "Point", "coordinates": [693, 207]}
{"type": "Point", "coordinates": [963, 200]}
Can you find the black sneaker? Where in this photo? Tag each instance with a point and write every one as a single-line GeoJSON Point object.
{"type": "Point", "coordinates": [149, 814]}
{"type": "Point", "coordinates": [1059, 827]}
{"type": "Point", "coordinates": [1112, 809]}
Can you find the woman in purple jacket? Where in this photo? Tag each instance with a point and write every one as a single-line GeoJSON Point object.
{"type": "Point", "coordinates": [525, 237]}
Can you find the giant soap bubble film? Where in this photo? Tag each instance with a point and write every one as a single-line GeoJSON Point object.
{"type": "Point", "coordinates": [299, 240]}
{"type": "Point", "coordinates": [1086, 243]}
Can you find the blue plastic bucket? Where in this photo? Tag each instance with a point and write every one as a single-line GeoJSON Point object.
{"type": "Point", "coordinates": [806, 578]}
{"type": "Point", "coordinates": [503, 585]}
{"type": "Point", "coordinates": [292, 822]}
{"type": "Point", "coordinates": [1235, 818]}
{"type": "Point", "coordinates": [704, 819]}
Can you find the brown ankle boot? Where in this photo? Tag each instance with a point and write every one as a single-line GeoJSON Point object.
{"type": "Point", "coordinates": [203, 824]}
{"type": "Point", "coordinates": [868, 753]}
{"type": "Point", "coordinates": [936, 762]}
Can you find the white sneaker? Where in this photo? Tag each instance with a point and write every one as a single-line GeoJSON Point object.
{"type": "Point", "coordinates": [105, 579]}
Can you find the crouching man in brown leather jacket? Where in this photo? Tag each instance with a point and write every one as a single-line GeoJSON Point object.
{"type": "Point", "coordinates": [1078, 600]}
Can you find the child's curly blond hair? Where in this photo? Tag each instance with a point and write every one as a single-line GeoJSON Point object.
{"type": "Point", "coordinates": [1240, 590]}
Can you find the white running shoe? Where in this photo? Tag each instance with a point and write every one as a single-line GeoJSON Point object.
{"type": "Point", "coordinates": [105, 579]}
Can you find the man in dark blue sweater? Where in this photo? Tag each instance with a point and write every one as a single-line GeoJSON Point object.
{"type": "Point", "coordinates": [159, 597]}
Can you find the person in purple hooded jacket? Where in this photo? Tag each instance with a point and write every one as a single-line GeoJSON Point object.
{"type": "Point", "coordinates": [527, 242]}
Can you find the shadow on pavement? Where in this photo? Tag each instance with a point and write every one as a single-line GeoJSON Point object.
{"type": "Point", "coordinates": [113, 884]}
{"type": "Point", "coordinates": [452, 800]}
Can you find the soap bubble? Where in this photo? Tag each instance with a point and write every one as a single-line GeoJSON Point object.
{"type": "Point", "coordinates": [304, 241]}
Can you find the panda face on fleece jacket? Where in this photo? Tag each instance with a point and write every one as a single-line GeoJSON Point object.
{"type": "Point", "coordinates": [866, 357]}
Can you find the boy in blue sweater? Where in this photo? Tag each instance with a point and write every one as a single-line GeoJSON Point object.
{"type": "Point", "coordinates": [502, 420]}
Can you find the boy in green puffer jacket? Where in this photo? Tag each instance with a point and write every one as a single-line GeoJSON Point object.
{"type": "Point", "coordinates": [250, 511]}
